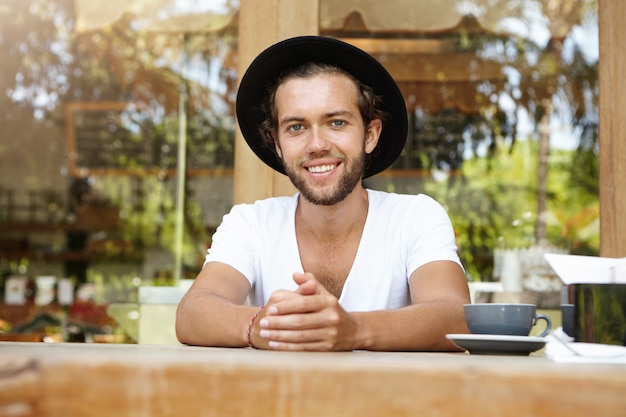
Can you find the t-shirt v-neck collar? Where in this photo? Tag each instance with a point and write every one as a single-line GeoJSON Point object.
{"type": "Point", "coordinates": [359, 248]}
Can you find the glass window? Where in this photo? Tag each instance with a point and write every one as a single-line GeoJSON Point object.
{"type": "Point", "coordinates": [116, 153]}
{"type": "Point", "coordinates": [503, 102]}
{"type": "Point", "coordinates": [116, 149]}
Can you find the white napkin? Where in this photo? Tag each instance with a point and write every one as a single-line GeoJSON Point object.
{"type": "Point", "coordinates": [561, 348]}
{"type": "Point", "coordinates": [579, 269]}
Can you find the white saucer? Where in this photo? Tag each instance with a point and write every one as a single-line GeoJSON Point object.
{"type": "Point", "coordinates": [492, 344]}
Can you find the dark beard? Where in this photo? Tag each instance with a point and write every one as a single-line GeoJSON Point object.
{"type": "Point", "coordinates": [347, 183]}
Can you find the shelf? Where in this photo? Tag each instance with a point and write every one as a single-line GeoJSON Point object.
{"type": "Point", "coordinates": [17, 240]}
{"type": "Point", "coordinates": [95, 314]}
{"type": "Point", "coordinates": [67, 256]}
{"type": "Point", "coordinates": [47, 256]}
{"type": "Point", "coordinates": [18, 227]}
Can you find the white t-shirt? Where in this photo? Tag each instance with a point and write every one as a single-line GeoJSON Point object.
{"type": "Point", "coordinates": [401, 233]}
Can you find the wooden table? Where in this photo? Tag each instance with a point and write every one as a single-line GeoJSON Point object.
{"type": "Point", "coordinates": [57, 379]}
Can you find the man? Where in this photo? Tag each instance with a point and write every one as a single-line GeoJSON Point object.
{"type": "Point", "coordinates": [337, 266]}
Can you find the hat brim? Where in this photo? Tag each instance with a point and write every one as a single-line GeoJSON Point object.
{"type": "Point", "coordinates": [272, 62]}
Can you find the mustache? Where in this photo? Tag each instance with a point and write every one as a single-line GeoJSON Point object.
{"type": "Point", "coordinates": [321, 155]}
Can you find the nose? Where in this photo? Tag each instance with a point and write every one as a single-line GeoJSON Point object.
{"type": "Point", "coordinates": [318, 141]}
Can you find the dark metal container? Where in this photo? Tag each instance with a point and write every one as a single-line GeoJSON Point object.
{"type": "Point", "coordinates": [599, 313]}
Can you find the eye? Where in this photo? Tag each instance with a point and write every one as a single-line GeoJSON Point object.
{"type": "Point", "coordinates": [338, 123]}
{"type": "Point", "coordinates": [295, 128]}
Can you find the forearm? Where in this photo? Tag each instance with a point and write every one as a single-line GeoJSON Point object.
{"type": "Point", "coordinates": [418, 327]}
{"type": "Point", "coordinates": [204, 319]}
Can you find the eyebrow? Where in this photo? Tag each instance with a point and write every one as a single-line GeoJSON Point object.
{"type": "Point", "coordinates": [290, 119]}
{"type": "Point", "coordinates": [340, 113]}
{"type": "Point", "coordinates": [328, 115]}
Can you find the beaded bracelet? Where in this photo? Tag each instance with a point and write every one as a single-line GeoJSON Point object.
{"type": "Point", "coordinates": [250, 326]}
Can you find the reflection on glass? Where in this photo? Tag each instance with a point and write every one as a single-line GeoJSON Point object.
{"type": "Point", "coordinates": [600, 313]}
{"type": "Point", "coordinates": [503, 99]}
{"type": "Point", "coordinates": [95, 100]}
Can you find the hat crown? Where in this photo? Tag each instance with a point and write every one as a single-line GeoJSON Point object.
{"type": "Point", "coordinates": [265, 69]}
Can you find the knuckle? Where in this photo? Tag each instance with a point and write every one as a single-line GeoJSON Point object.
{"type": "Point", "coordinates": [333, 334]}
{"type": "Point", "coordinates": [331, 300]}
{"type": "Point", "coordinates": [334, 318]}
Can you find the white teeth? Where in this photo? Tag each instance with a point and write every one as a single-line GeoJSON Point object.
{"type": "Point", "coordinates": [321, 168]}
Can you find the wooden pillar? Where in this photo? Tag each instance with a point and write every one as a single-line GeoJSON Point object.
{"type": "Point", "coordinates": [262, 23]}
{"type": "Point", "coordinates": [612, 15]}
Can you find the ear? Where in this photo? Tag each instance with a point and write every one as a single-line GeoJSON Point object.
{"type": "Point", "coordinates": [372, 135]}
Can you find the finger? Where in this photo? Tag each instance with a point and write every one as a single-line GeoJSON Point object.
{"type": "Point", "coordinates": [300, 304]}
{"type": "Point", "coordinates": [311, 340]}
{"type": "Point", "coordinates": [299, 336]}
{"type": "Point", "coordinates": [308, 288]}
{"type": "Point", "coordinates": [321, 346]}
{"type": "Point", "coordinates": [307, 284]}
{"type": "Point", "coordinates": [292, 322]}
{"type": "Point", "coordinates": [281, 295]}
{"type": "Point", "coordinates": [302, 277]}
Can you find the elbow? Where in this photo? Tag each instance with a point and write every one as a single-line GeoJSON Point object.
{"type": "Point", "coordinates": [181, 324]}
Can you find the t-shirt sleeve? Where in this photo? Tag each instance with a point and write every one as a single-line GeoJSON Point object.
{"type": "Point", "coordinates": [235, 242]}
{"type": "Point", "coordinates": [430, 235]}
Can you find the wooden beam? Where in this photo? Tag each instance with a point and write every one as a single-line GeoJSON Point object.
{"type": "Point", "coordinates": [440, 68]}
{"type": "Point", "coordinates": [612, 64]}
{"type": "Point", "coordinates": [403, 46]}
{"type": "Point", "coordinates": [261, 24]}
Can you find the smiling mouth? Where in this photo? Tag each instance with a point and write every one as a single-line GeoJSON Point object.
{"type": "Point", "coordinates": [320, 169]}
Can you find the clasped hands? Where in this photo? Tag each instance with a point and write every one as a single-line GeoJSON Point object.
{"type": "Point", "coordinates": [309, 318]}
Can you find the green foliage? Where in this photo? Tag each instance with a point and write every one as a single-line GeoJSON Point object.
{"type": "Point", "coordinates": [148, 213]}
{"type": "Point", "coordinates": [493, 203]}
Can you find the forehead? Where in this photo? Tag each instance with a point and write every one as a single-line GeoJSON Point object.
{"type": "Point", "coordinates": [314, 68]}
{"type": "Point", "coordinates": [324, 87]}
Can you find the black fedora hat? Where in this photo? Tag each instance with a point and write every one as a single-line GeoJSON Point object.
{"type": "Point", "coordinates": [264, 71]}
